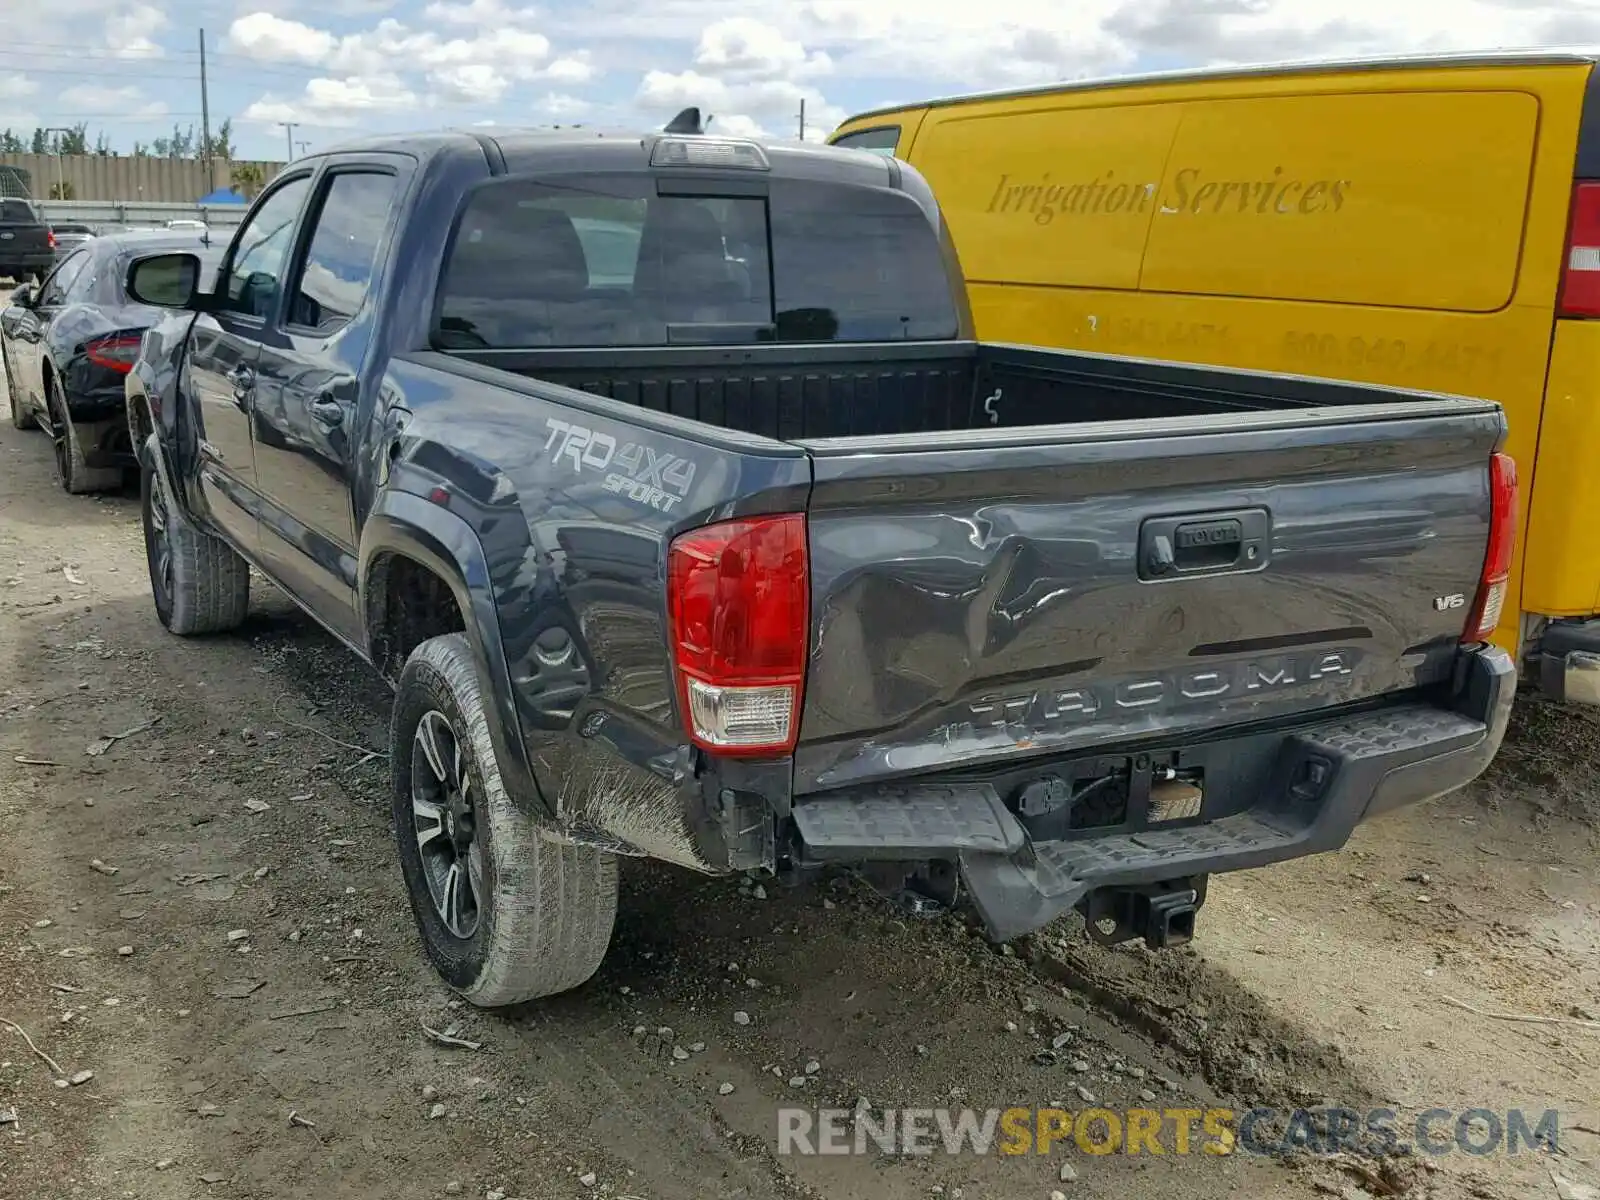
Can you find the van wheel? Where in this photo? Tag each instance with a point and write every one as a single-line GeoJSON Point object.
{"type": "Point", "coordinates": [75, 476]}
{"type": "Point", "coordinates": [506, 912]}
{"type": "Point", "coordinates": [199, 583]}
{"type": "Point", "coordinates": [22, 417]}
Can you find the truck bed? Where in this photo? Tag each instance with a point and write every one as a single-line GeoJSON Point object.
{"type": "Point", "coordinates": [795, 393]}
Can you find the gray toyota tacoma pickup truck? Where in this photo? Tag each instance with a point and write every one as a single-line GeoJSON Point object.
{"type": "Point", "coordinates": [664, 479]}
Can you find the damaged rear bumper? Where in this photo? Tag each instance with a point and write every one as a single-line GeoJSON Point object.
{"type": "Point", "coordinates": [1327, 777]}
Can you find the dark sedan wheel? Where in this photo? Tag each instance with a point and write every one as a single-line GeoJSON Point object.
{"type": "Point", "coordinates": [22, 416]}
{"type": "Point", "coordinates": [75, 475]}
{"type": "Point", "coordinates": [508, 911]}
{"type": "Point", "coordinates": [199, 583]}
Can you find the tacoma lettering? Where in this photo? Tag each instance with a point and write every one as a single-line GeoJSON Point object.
{"type": "Point", "coordinates": [1187, 688]}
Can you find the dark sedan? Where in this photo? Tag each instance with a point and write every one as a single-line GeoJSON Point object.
{"type": "Point", "coordinates": [69, 344]}
{"type": "Point", "coordinates": [69, 237]}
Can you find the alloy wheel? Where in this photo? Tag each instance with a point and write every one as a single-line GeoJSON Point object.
{"type": "Point", "coordinates": [159, 534]}
{"type": "Point", "coordinates": [444, 817]}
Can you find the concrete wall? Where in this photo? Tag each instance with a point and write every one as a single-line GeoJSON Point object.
{"type": "Point", "coordinates": [167, 180]}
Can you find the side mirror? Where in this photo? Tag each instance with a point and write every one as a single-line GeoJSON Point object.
{"type": "Point", "coordinates": [24, 295]}
{"type": "Point", "coordinates": [165, 280]}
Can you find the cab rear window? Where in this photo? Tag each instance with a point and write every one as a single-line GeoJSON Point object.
{"type": "Point", "coordinates": [607, 261]}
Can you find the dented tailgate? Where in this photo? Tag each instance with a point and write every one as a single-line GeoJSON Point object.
{"type": "Point", "coordinates": [979, 598]}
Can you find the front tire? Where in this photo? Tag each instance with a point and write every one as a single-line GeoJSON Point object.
{"type": "Point", "coordinates": [76, 476]}
{"type": "Point", "coordinates": [507, 913]}
{"type": "Point", "coordinates": [199, 582]}
{"type": "Point", "coordinates": [22, 417]}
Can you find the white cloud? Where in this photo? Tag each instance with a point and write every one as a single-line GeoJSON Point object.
{"type": "Point", "coordinates": [336, 102]}
{"type": "Point", "coordinates": [560, 104]}
{"type": "Point", "coordinates": [96, 98]}
{"type": "Point", "coordinates": [571, 69]}
{"type": "Point", "coordinates": [759, 101]}
{"type": "Point", "coordinates": [15, 87]}
{"type": "Point", "coordinates": [743, 47]}
{"type": "Point", "coordinates": [470, 82]}
{"type": "Point", "coordinates": [274, 39]}
{"type": "Point", "coordinates": [493, 54]}
{"type": "Point", "coordinates": [479, 14]}
{"type": "Point", "coordinates": [131, 30]}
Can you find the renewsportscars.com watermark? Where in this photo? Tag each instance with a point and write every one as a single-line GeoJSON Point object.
{"type": "Point", "coordinates": [1177, 1131]}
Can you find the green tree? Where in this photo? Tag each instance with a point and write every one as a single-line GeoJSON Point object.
{"type": "Point", "coordinates": [63, 191]}
{"type": "Point", "coordinates": [74, 141]}
{"type": "Point", "coordinates": [180, 145]}
{"type": "Point", "coordinates": [222, 140]}
{"type": "Point", "coordinates": [247, 179]}
{"type": "Point", "coordinates": [103, 147]}
{"type": "Point", "coordinates": [10, 143]}
{"type": "Point", "coordinates": [41, 141]}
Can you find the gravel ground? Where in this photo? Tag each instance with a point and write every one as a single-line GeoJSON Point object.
{"type": "Point", "coordinates": [246, 987]}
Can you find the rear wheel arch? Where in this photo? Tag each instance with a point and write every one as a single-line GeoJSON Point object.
{"type": "Point", "coordinates": [416, 563]}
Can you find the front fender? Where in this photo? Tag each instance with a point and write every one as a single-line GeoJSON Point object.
{"type": "Point", "coordinates": [408, 525]}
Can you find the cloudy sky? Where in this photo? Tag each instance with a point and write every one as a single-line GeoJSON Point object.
{"type": "Point", "coordinates": [130, 68]}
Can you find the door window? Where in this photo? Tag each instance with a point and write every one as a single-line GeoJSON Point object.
{"type": "Point", "coordinates": [337, 273]}
{"type": "Point", "coordinates": [62, 278]}
{"type": "Point", "coordinates": [882, 140]}
{"type": "Point", "coordinates": [261, 253]}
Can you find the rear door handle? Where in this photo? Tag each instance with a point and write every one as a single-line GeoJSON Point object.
{"type": "Point", "coordinates": [327, 411]}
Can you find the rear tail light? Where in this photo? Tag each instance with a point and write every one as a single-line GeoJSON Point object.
{"type": "Point", "coordinates": [1580, 275]}
{"type": "Point", "coordinates": [50, 238]}
{"type": "Point", "coordinates": [118, 352]}
{"type": "Point", "coordinates": [1485, 618]}
{"type": "Point", "coordinates": [738, 605]}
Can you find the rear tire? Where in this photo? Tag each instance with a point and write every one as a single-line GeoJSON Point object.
{"type": "Point", "coordinates": [506, 912]}
{"type": "Point", "coordinates": [76, 477]}
{"type": "Point", "coordinates": [22, 417]}
{"type": "Point", "coordinates": [199, 582]}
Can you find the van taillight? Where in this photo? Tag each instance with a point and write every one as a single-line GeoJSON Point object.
{"type": "Point", "coordinates": [738, 606]}
{"type": "Point", "coordinates": [1485, 618]}
{"type": "Point", "coordinates": [1580, 277]}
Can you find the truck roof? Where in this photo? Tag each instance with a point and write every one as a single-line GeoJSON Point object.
{"type": "Point", "coordinates": [623, 150]}
{"type": "Point", "coordinates": [1499, 58]}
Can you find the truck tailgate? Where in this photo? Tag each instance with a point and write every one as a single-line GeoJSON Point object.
{"type": "Point", "coordinates": [980, 597]}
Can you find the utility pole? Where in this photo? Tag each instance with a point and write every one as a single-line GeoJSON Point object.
{"type": "Point", "coordinates": [288, 129]}
{"type": "Point", "coordinates": [205, 119]}
{"type": "Point", "coordinates": [802, 118]}
{"type": "Point", "coordinates": [61, 160]}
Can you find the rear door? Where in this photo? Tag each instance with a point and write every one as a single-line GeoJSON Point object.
{"type": "Point", "coordinates": [980, 598]}
{"type": "Point", "coordinates": [308, 387]}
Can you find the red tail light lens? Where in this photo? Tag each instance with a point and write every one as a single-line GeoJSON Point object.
{"type": "Point", "coordinates": [50, 238]}
{"type": "Point", "coordinates": [738, 605]}
{"type": "Point", "coordinates": [118, 352]}
{"type": "Point", "coordinates": [1485, 618]}
{"type": "Point", "coordinates": [1580, 275]}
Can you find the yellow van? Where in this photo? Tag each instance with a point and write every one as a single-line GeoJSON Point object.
{"type": "Point", "coordinates": [1424, 222]}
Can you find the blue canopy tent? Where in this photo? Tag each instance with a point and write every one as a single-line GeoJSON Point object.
{"type": "Point", "coordinates": [223, 196]}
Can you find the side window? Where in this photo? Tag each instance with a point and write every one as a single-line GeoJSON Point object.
{"type": "Point", "coordinates": [64, 276]}
{"type": "Point", "coordinates": [81, 289]}
{"type": "Point", "coordinates": [337, 272]}
{"type": "Point", "coordinates": [882, 140]}
{"type": "Point", "coordinates": [261, 253]}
